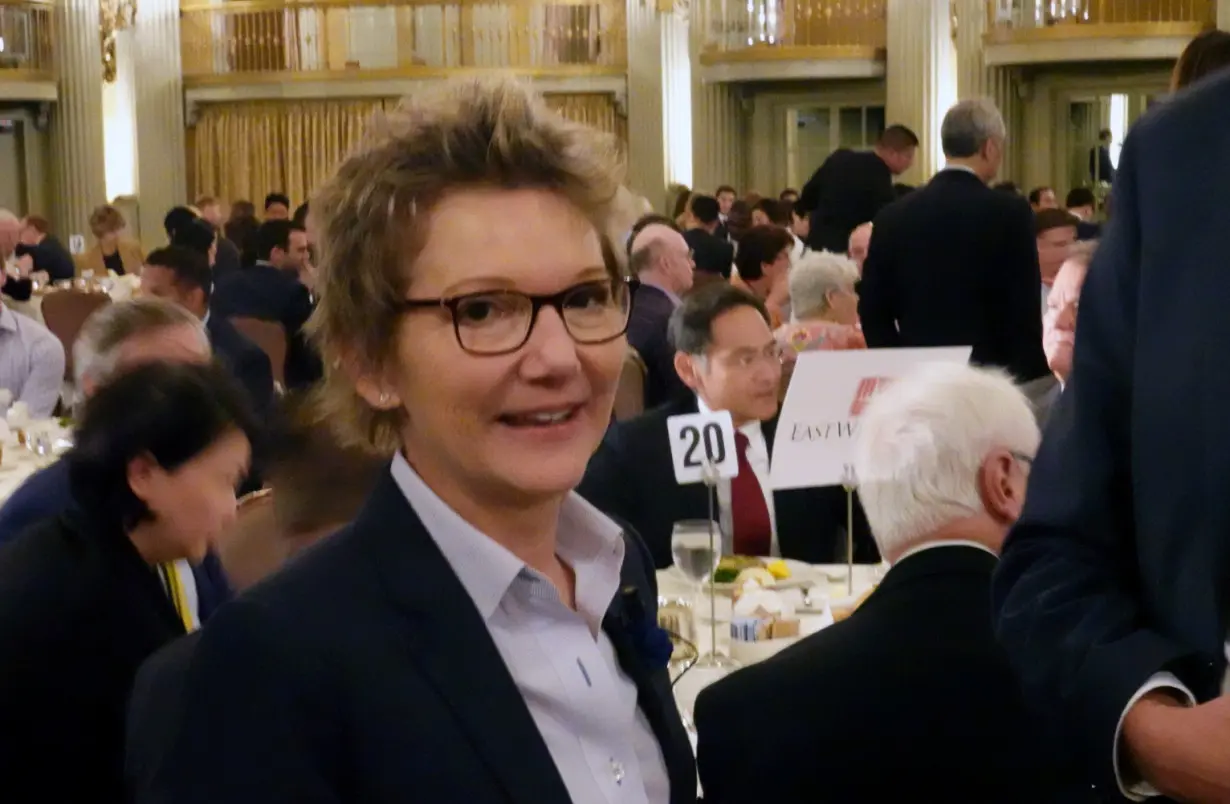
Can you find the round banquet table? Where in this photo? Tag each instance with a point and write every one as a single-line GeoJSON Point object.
{"type": "Point", "coordinates": [19, 462]}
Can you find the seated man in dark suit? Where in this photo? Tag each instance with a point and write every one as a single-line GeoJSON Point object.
{"type": "Point", "coordinates": [271, 291]}
{"type": "Point", "coordinates": [727, 355]}
{"type": "Point", "coordinates": [318, 487]}
{"type": "Point", "coordinates": [182, 276]}
{"type": "Point", "coordinates": [115, 338]}
{"type": "Point", "coordinates": [910, 698]}
{"type": "Point", "coordinates": [662, 262]}
{"type": "Point", "coordinates": [712, 254]}
{"type": "Point", "coordinates": [955, 263]}
{"type": "Point", "coordinates": [47, 254]}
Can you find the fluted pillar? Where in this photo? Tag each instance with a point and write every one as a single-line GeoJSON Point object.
{"type": "Point", "coordinates": [921, 78]}
{"type": "Point", "coordinates": [161, 167]}
{"type": "Point", "coordinates": [646, 139]}
{"type": "Point", "coordinates": [76, 128]}
{"type": "Point", "coordinates": [719, 136]}
{"type": "Point", "coordinates": [659, 99]}
{"type": "Point", "coordinates": [976, 80]}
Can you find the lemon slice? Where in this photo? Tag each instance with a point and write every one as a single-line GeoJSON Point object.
{"type": "Point", "coordinates": [778, 570]}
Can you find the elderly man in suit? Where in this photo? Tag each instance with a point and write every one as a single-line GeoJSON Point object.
{"type": "Point", "coordinates": [955, 264]}
{"type": "Point", "coordinates": [1112, 595]}
{"type": "Point", "coordinates": [662, 261]}
{"type": "Point", "coordinates": [727, 356]}
{"type": "Point", "coordinates": [1059, 322]}
{"type": "Point", "coordinates": [915, 673]}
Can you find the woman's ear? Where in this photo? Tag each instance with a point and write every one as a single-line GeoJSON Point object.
{"type": "Point", "coordinates": [144, 476]}
{"type": "Point", "coordinates": [371, 383]}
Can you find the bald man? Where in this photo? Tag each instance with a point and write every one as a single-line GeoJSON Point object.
{"type": "Point", "coordinates": [662, 261]}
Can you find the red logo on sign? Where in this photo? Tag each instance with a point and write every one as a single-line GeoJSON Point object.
{"type": "Point", "coordinates": [867, 388]}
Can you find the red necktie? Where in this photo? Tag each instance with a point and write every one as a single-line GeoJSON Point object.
{"type": "Point", "coordinates": [749, 514]}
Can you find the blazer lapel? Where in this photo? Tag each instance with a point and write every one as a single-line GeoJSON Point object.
{"type": "Point", "coordinates": [451, 645]}
{"type": "Point", "coordinates": [654, 695]}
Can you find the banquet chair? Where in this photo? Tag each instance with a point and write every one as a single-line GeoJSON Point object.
{"type": "Point", "coordinates": [271, 338]}
{"type": "Point", "coordinates": [252, 543]}
{"type": "Point", "coordinates": [630, 393]}
{"type": "Point", "coordinates": [64, 313]}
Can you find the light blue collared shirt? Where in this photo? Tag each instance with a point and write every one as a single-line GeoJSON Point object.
{"type": "Point", "coordinates": [674, 297]}
{"type": "Point", "coordinates": [561, 660]}
{"type": "Point", "coordinates": [31, 362]}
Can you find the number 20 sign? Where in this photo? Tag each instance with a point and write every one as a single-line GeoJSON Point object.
{"type": "Point", "coordinates": [700, 439]}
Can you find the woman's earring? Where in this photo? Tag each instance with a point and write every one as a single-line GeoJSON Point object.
{"type": "Point", "coordinates": [384, 398]}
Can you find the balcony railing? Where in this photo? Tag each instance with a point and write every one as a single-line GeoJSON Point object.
{"type": "Point", "coordinates": [1031, 15]}
{"type": "Point", "coordinates": [242, 39]}
{"type": "Point", "coordinates": [27, 39]}
{"type": "Point", "coordinates": [793, 29]}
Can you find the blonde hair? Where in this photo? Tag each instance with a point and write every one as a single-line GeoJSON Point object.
{"type": "Point", "coordinates": [373, 215]}
{"type": "Point", "coordinates": [106, 219]}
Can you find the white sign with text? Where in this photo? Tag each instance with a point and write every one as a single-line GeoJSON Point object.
{"type": "Point", "coordinates": [814, 442]}
{"type": "Point", "coordinates": [76, 244]}
{"type": "Point", "coordinates": [700, 440]}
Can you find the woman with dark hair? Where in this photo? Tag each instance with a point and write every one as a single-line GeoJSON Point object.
{"type": "Point", "coordinates": [86, 597]}
{"type": "Point", "coordinates": [1207, 53]}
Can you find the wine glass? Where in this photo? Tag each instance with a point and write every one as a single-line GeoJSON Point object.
{"type": "Point", "coordinates": [696, 546]}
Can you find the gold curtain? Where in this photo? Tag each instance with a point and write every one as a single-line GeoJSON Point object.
{"type": "Point", "coordinates": [592, 109]}
{"type": "Point", "coordinates": [246, 150]}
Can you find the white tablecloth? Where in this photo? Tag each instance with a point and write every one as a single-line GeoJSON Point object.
{"type": "Point", "coordinates": [17, 462]}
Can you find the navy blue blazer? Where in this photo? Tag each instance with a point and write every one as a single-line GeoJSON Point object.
{"type": "Point", "coordinates": [45, 495]}
{"type": "Point", "coordinates": [386, 689]}
{"type": "Point", "coordinates": [651, 310]}
{"type": "Point", "coordinates": [270, 294]}
{"type": "Point", "coordinates": [1118, 567]}
{"type": "Point", "coordinates": [246, 362]}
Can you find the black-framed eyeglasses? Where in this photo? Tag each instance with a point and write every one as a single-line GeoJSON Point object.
{"type": "Point", "coordinates": [499, 322]}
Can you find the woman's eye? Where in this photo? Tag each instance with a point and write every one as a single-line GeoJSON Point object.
{"type": "Point", "coordinates": [590, 296]}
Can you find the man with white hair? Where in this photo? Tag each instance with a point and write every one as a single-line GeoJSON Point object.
{"type": "Point", "coordinates": [910, 696]}
{"type": "Point", "coordinates": [14, 271]}
{"type": "Point", "coordinates": [954, 263]}
{"type": "Point", "coordinates": [113, 339]}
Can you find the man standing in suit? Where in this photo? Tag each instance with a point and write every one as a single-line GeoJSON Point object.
{"type": "Point", "coordinates": [662, 261]}
{"type": "Point", "coordinates": [852, 186]}
{"type": "Point", "coordinates": [727, 356]}
{"type": "Point", "coordinates": [914, 674]}
{"type": "Point", "coordinates": [1112, 597]}
{"type": "Point", "coordinates": [271, 291]}
{"type": "Point", "coordinates": [182, 276]}
{"type": "Point", "coordinates": [955, 264]}
{"type": "Point", "coordinates": [1101, 169]}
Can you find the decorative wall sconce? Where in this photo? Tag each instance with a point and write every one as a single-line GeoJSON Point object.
{"type": "Point", "coordinates": [113, 16]}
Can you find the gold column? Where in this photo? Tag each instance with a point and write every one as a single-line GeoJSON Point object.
{"type": "Point", "coordinates": [161, 167]}
{"type": "Point", "coordinates": [646, 138]}
{"type": "Point", "coordinates": [976, 80]}
{"type": "Point", "coordinates": [76, 128]}
{"type": "Point", "coordinates": [719, 142]}
{"type": "Point", "coordinates": [922, 76]}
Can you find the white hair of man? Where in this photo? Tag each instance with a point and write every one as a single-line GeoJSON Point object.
{"type": "Point", "coordinates": [814, 276]}
{"type": "Point", "coordinates": [96, 352]}
{"type": "Point", "coordinates": [921, 444]}
{"type": "Point", "coordinates": [969, 125]}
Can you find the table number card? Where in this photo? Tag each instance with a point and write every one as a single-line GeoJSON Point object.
{"type": "Point", "coordinates": [700, 440]}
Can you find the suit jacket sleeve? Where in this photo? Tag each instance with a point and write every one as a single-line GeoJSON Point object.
{"type": "Point", "coordinates": [1019, 296]}
{"type": "Point", "coordinates": [876, 306]}
{"type": "Point", "coordinates": [257, 722]}
{"type": "Point", "coordinates": [605, 484]}
{"type": "Point", "coordinates": [1064, 595]}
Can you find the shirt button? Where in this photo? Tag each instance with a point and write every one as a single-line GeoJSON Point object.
{"type": "Point", "coordinates": [617, 771]}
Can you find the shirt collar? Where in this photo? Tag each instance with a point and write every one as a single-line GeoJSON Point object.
{"type": "Point", "coordinates": [486, 569]}
{"type": "Point", "coordinates": [8, 319]}
{"type": "Point", "coordinates": [750, 429]}
{"type": "Point", "coordinates": [205, 320]}
{"type": "Point", "coordinates": [966, 168]}
{"type": "Point", "coordinates": [918, 548]}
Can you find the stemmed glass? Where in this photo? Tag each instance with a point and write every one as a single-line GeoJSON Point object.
{"type": "Point", "coordinates": [696, 546]}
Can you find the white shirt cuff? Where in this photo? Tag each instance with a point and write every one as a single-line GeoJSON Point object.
{"type": "Point", "coordinates": [1139, 791]}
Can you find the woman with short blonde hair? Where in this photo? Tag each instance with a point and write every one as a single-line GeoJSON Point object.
{"type": "Point", "coordinates": [479, 633]}
{"type": "Point", "coordinates": [112, 251]}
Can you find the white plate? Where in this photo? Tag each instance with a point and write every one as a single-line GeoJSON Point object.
{"type": "Point", "coordinates": [801, 575]}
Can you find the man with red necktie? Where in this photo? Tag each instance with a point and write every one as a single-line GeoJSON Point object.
{"type": "Point", "coordinates": [726, 354]}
